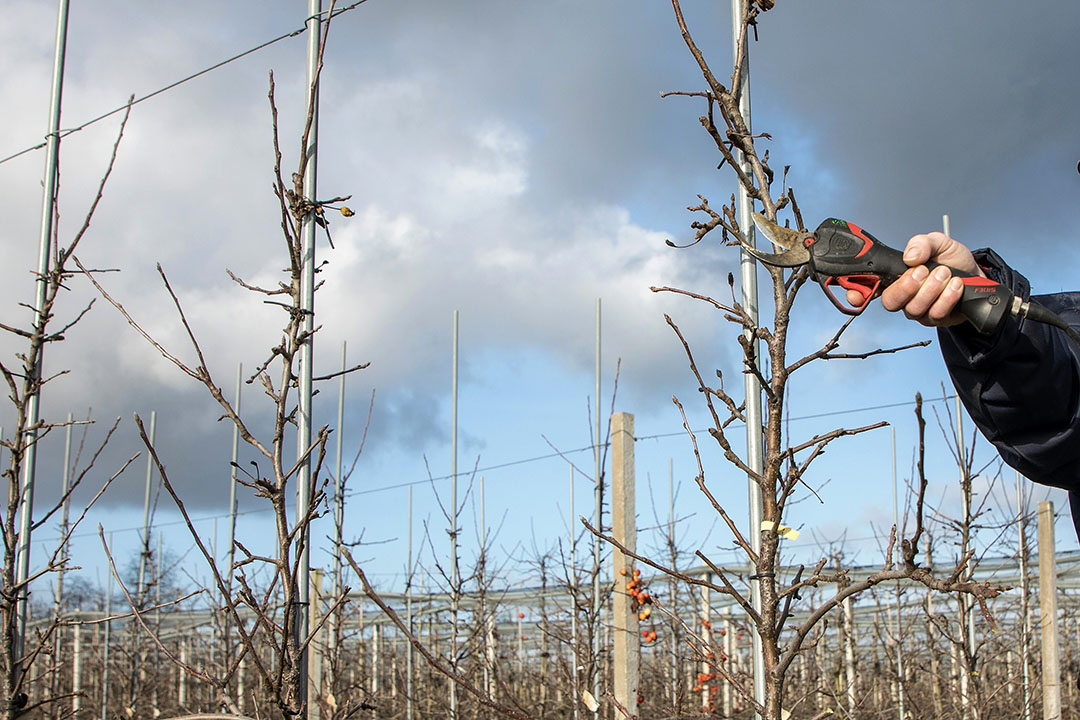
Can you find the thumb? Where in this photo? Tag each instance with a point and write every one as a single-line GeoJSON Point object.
{"type": "Point", "coordinates": [919, 250]}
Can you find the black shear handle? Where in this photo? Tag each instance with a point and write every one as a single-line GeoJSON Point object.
{"type": "Point", "coordinates": [844, 255]}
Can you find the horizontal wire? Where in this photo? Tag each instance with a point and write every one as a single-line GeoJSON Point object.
{"type": "Point", "coordinates": [657, 436]}
{"type": "Point", "coordinates": [523, 461]}
{"type": "Point", "coordinates": [293, 33]}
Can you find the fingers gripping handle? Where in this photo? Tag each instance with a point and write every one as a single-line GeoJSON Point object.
{"type": "Point", "coordinates": [843, 254]}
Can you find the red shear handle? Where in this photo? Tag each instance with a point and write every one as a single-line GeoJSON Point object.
{"type": "Point", "coordinates": [866, 285]}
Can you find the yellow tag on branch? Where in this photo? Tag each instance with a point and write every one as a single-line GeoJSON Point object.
{"type": "Point", "coordinates": [784, 531]}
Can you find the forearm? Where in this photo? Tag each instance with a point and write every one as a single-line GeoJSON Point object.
{"type": "Point", "coordinates": [1021, 385]}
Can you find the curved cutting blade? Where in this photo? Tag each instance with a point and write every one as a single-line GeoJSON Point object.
{"type": "Point", "coordinates": [790, 258]}
{"type": "Point", "coordinates": [795, 251]}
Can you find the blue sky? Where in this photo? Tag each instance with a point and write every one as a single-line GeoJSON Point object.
{"type": "Point", "coordinates": [514, 161]}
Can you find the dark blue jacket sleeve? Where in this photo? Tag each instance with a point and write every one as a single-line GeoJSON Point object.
{"type": "Point", "coordinates": [1021, 385]}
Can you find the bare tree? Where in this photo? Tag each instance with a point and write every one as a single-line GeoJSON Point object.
{"type": "Point", "coordinates": [265, 619]}
{"type": "Point", "coordinates": [21, 652]}
{"type": "Point", "coordinates": [785, 463]}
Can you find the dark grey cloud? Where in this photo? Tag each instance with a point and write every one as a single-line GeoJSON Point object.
{"type": "Point", "coordinates": [923, 110]}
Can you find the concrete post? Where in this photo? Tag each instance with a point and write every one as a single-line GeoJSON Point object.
{"type": "Point", "coordinates": [1051, 675]}
{"type": "Point", "coordinates": [376, 641]}
{"type": "Point", "coordinates": [76, 670]}
{"type": "Point", "coordinates": [627, 646]}
{"type": "Point", "coordinates": [181, 677]}
{"type": "Point", "coordinates": [314, 653]}
{"type": "Point", "coordinates": [241, 688]}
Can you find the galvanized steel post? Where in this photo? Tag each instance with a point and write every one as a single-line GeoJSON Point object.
{"type": "Point", "coordinates": [307, 308]}
{"type": "Point", "coordinates": [749, 299]}
{"type": "Point", "coordinates": [33, 401]}
{"type": "Point", "coordinates": [454, 579]}
{"type": "Point", "coordinates": [594, 640]}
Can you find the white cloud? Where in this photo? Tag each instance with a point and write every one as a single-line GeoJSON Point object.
{"type": "Point", "coordinates": [495, 167]}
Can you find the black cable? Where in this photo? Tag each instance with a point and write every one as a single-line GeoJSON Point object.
{"type": "Point", "coordinates": [1040, 314]}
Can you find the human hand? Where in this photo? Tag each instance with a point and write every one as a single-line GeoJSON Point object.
{"type": "Point", "coordinates": [929, 297]}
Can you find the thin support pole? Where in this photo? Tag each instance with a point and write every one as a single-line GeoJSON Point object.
{"type": "Point", "coordinates": [410, 701]}
{"type": "Point", "coordinates": [598, 519]}
{"type": "Point", "coordinates": [76, 669]}
{"type": "Point", "coordinates": [231, 542]}
{"type": "Point", "coordinates": [145, 554]}
{"type": "Point", "coordinates": [156, 571]}
{"type": "Point", "coordinates": [899, 627]}
{"type": "Point", "coordinates": [339, 527]}
{"type": "Point", "coordinates": [748, 267]}
{"type": "Point", "coordinates": [487, 615]}
{"type": "Point", "coordinates": [967, 679]}
{"type": "Point", "coordinates": [65, 554]}
{"type": "Point", "coordinates": [729, 650]}
{"type": "Point", "coordinates": [963, 476]}
{"type": "Point", "coordinates": [33, 399]}
{"type": "Point", "coordinates": [231, 535]}
{"type": "Point", "coordinates": [454, 579]}
{"type": "Point", "coordinates": [304, 400]}
{"type": "Point", "coordinates": [105, 644]}
{"type": "Point", "coordinates": [673, 591]}
{"type": "Point", "coordinates": [705, 630]}
{"type": "Point", "coordinates": [848, 622]}
{"type": "Point", "coordinates": [575, 657]}
{"type": "Point", "coordinates": [1025, 599]}
{"type": "Point", "coordinates": [65, 510]}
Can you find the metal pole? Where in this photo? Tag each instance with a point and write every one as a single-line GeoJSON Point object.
{"type": "Point", "coordinates": [145, 554]}
{"type": "Point", "coordinates": [729, 650]}
{"type": "Point", "coordinates": [409, 619]}
{"type": "Point", "coordinates": [705, 622]}
{"type": "Point", "coordinates": [594, 641]}
{"type": "Point", "coordinates": [969, 606]}
{"type": "Point", "coordinates": [230, 552]}
{"type": "Point", "coordinates": [896, 550]}
{"type": "Point", "coordinates": [575, 658]}
{"type": "Point", "coordinates": [48, 212]}
{"type": "Point", "coordinates": [156, 574]}
{"type": "Point", "coordinates": [307, 308]}
{"type": "Point", "coordinates": [486, 621]}
{"type": "Point", "coordinates": [1025, 600]}
{"type": "Point", "coordinates": [105, 648]}
{"type": "Point", "coordinates": [339, 523]}
{"type": "Point", "coordinates": [453, 525]}
{"type": "Point", "coordinates": [76, 669]}
{"type": "Point", "coordinates": [58, 596]}
{"type": "Point", "coordinates": [673, 588]}
{"type": "Point", "coordinates": [748, 267]}
{"type": "Point", "coordinates": [65, 483]}
{"type": "Point", "coordinates": [232, 485]}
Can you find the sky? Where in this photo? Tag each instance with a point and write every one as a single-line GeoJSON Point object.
{"type": "Point", "coordinates": [515, 162]}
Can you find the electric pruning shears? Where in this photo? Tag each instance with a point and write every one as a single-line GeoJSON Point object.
{"type": "Point", "coordinates": [841, 254]}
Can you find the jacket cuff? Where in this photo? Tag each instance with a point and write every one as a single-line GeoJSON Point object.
{"type": "Point", "coordinates": [986, 350]}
